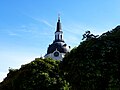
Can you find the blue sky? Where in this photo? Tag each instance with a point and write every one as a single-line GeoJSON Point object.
{"type": "Point", "coordinates": [27, 26]}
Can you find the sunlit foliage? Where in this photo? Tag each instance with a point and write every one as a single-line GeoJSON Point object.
{"type": "Point", "coordinates": [40, 74]}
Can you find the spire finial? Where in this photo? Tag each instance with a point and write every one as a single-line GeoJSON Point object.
{"type": "Point", "coordinates": [58, 24]}
{"type": "Point", "coordinates": [58, 16]}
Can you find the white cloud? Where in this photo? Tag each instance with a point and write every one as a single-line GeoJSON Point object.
{"type": "Point", "coordinates": [28, 29]}
{"type": "Point", "coordinates": [13, 33]}
{"type": "Point", "coordinates": [35, 30]}
{"type": "Point", "coordinates": [47, 23]}
{"type": "Point", "coordinates": [41, 20]}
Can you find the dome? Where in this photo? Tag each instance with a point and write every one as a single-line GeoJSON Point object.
{"type": "Point", "coordinates": [59, 46]}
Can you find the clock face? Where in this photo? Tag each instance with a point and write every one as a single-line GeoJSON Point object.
{"type": "Point", "coordinates": [56, 54]}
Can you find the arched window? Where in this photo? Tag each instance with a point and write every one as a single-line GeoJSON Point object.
{"type": "Point", "coordinates": [58, 37]}
{"type": "Point", "coordinates": [61, 37]}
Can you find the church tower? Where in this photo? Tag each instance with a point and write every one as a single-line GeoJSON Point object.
{"type": "Point", "coordinates": [58, 48]}
{"type": "Point", "coordinates": [58, 33]}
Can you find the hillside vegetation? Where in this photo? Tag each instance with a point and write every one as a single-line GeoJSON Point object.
{"type": "Point", "coordinates": [93, 65]}
{"type": "Point", "coordinates": [40, 74]}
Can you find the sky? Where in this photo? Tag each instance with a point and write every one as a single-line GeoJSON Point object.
{"type": "Point", "coordinates": [27, 26]}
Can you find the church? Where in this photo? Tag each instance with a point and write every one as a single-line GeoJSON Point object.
{"type": "Point", "coordinates": [58, 48]}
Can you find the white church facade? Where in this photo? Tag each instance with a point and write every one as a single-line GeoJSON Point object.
{"type": "Point", "coordinates": [58, 48]}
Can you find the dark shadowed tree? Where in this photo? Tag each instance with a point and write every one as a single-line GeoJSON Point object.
{"type": "Point", "coordinates": [89, 36]}
{"type": "Point", "coordinates": [95, 63]}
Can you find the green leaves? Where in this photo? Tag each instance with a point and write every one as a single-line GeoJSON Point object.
{"type": "Point", "coordinates": [40, 74]}
{"type": "Point", "coordinates": [95, 63]}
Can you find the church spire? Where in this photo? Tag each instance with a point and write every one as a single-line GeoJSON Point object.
{"type": "Point", "coordinates": [58, 33]}
{"type": "Point", "coordinates": [58, 24]}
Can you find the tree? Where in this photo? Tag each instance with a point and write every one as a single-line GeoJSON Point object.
{"type": "Point", "coordinates": [95, 63]}
{"type": "Point", "coordinates": [40, 74]}
{"type": "Point", "coordinates": [88, 35]}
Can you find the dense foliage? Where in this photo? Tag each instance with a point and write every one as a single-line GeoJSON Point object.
{"type": "Point", "coordinates": [40, 74]}
{"type": "Point", "coordinates": [95, 63]}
